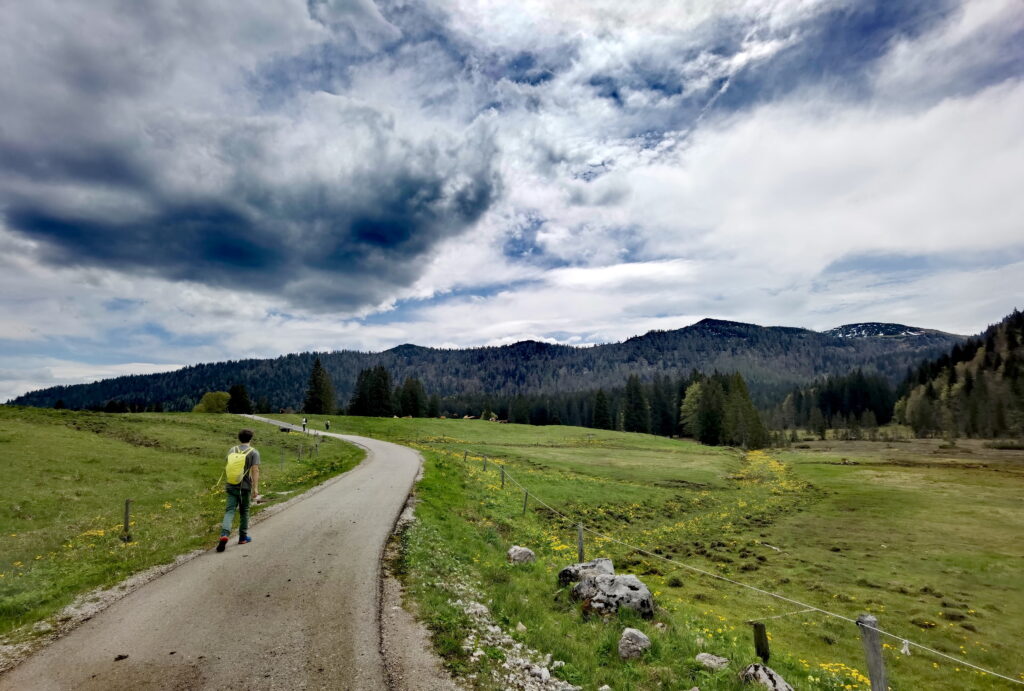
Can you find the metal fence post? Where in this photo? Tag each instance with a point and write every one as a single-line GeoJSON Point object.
{"type": "Point", "coordinates": [579, 542]}
{"type": "Point", "coordinates": [526, 498]}
{"type": "Point", "coordinates": [503, 477]}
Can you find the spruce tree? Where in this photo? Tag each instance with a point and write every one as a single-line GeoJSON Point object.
{"type": "Point", "coordinates": [602, 416]}
{"type": "Point", "coordinates": [412, 398]}
{"type": "Point", "coordinates": [636, 411]}
{"type": "Point", "coordinates": [239, 402]}
{"type": "Point", "coordinates": [319, 392]}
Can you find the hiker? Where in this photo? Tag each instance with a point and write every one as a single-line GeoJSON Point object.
{"type": "Point", "coordinates": [304, 424]}
{"type": "Point", "coordinates": [245, 461]}
{"type": "Point", "coordinates": [327, 425]}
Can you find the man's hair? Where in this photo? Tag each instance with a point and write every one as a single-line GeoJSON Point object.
{"type": "Point", "coordinates": [245, 436]}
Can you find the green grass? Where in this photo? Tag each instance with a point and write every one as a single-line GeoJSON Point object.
{"type": "Point", "coordinates": [924, 537]}
{"type": "Point", "coordinates": [67, 474]}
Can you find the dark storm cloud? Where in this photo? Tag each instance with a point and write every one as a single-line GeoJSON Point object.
{"type": "Point", "coordinates": [200, 154]}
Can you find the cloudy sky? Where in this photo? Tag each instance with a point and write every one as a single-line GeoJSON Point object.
{"type": "Point", "coordinates": [193, 181]}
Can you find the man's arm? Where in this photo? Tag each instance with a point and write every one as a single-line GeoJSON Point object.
{"type": "Point", "coordinates": [255, 473]}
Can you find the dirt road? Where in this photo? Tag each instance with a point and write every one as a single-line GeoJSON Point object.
{"type": "Point", "coordinates": [295, 609]}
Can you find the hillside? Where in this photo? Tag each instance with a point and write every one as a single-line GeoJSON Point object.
{"type": "Point", "coordinates": [772, 359]}
{"type": "Point", "coordinates": [975, 390]}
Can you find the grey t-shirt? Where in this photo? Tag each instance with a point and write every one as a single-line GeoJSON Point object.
{"type": "Point", "coordinates": [250, 460]}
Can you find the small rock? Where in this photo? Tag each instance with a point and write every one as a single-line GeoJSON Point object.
{"type": "Point", "coordinates": [576, 572]}
{"type": "Point", "coordinates": [766, 676]}
{"type": "Point", "coordinates": [633, 644]}
{"type": "Point", "coordinates": [700, 641]}
{"type": "Point", "coordinates": [605, 688]}
{"type": "Point", "coordinates": [120, 657]}
{"type": "Point", "coordinates": [521, 555]}
{"type": "Point", "coordinates": [660, 626]}
{"type": "Point", "coordinates": [43, 627]}
{"type": "Point", "coordinates": [521, 627]}
{"type": "Point", "coordinates": [557, 664]}
{"type": "Point", "coordinates": [714, 662]}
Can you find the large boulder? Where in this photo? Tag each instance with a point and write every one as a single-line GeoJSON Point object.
{"type": "Point", "coordinates": [521, 555]}
{"type": "Point", "coordinates": [576, 572]}
{"type": "Point", "coordinates": [712, 662]}
{"type": "Point", "coordinates": [607, 594]}
{"type": "Point", "coordinates": [765, 676]}
{"type": "Point", "coordinates": [632, 644]}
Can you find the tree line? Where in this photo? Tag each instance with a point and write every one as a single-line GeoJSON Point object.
{"type": "Point", "coordinates": [772, 360]}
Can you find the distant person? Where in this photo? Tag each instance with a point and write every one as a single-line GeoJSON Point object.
{"type": "Point", "coordinates": [327, 425]}
{"type": "Point", "coordinates": [304, 422]}
{"type": "Point", "coordinates": [239, 493]}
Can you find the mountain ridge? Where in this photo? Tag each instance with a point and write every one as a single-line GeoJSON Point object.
{"type": "Point", "coordinates": [772, 359]}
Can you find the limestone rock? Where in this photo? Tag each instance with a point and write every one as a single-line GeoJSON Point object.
{"type": "Point", "coordinates": [765, 676]}
{"type": "Point", "coordinates": [521, 627]}
{"type": "Point", "coordinates": [605, 688]}
{"type": "Point", "coordinates": [576, 572]}
{"type": "Point", "coordinates": [607, 594]}
{"type": "Point", "coordinates": [521, 555]}
{"type": "Point", "coordinates": [713, 662]}
{"type": "Point", "coordinates": [633, 644]}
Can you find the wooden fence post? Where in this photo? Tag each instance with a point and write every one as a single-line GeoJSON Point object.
{"type": "Point", "coordinates": [579, 542]}
{"type": "Point", "coordinates": [503, 477]}
{"type": "Point", "coordinates": [465, 454]}
{"type": "Point", "coordinates": [126, 535]}
{"type": "Point", "coordinates": [485, 464]}
{"type": "Point", "coordinates": [761, 641]}
{"type": "Point", "coordinates": [526, 498]}
{"type": "Point", "coordinates": [872, 641]}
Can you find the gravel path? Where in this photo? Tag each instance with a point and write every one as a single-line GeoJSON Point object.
{"type": "Point", "coordinates": [298, 608]}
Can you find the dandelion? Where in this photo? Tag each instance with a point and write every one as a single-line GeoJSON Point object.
{"type": "Point", "coordinates": [18, 564]}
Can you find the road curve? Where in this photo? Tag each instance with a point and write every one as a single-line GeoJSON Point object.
{"type": "Point", "coordinates": [295, 609]}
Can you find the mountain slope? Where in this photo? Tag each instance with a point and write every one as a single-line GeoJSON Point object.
{"type": "Point", "coordinates": [771, 359]}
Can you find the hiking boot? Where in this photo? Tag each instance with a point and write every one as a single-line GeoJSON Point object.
{"type": "Point", "coordinates": [222, 544]}
{"type": "Point", "coordinates": [244, 539]}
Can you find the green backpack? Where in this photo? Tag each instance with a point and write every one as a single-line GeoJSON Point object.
{"type": "Point", "coordinates": [235, 469]}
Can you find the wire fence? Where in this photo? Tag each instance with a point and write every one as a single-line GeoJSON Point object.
{"type": "Point", "coordinates": [806, 607]}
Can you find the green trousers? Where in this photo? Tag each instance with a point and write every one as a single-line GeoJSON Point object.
{"type": "Point", "coordinates": [237, 498]}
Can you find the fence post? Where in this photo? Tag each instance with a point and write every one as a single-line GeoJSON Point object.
{"type": "Point", "coordinates": [485, 464]}
{"type": "Point", "coordinates": [465, 454]}
{"type": "Point", "coordinates": [579, 542]}
{"type": "Point", "coordinates": [503, 477]}
{"type": "Point", "coordinates": [126, 536]}
{"type": "Point", "coordinates": [526, 498]}
{"type": "Point", "coordinates": [868, 625]}
{"type": "Point", "coordinates": [761, 641]}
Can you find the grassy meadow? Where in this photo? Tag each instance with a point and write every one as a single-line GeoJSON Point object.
{"type": "Point", "coordinates": [924, 537]}
{"type": "Point", "coordinates": [65, 477]}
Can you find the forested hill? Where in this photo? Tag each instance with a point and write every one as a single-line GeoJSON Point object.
{"type": "Point", "coordinates": [771, 359]}
{"type": "Point", "coordinates": [974, 390]}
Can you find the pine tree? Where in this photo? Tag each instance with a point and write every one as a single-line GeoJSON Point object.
{"type": "Point", "coordinates": [412, 398]}
{"type": "Point", "coordinates": [602, 416]}
{"type": "Point", "coordinates": [636, 411]}
{"type": "Point", "coordinates": [434, 406]}
{"type": "Point", "coordinates": [319, 392]}
{"type": "Point", "coordinates": [239, 402]}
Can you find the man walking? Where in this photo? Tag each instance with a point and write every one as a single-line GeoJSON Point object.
{"type": "Point", "coordinates": [240, 493]}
